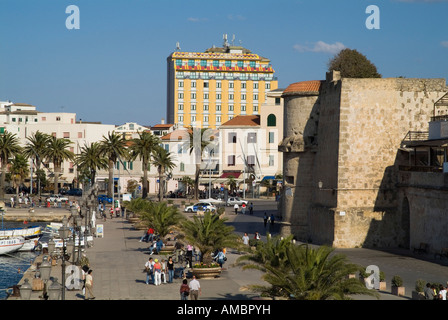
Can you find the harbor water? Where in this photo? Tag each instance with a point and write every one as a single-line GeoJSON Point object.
{"type": "Point", "coordinates": [13, 265]}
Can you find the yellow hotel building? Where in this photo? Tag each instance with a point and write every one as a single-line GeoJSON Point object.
{"type": "Point", "coordinates": [206, 89]}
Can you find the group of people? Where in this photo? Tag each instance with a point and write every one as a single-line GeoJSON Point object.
{"type": "Point", "coordinates": [243, 208]}
{"type": "Point", "coordinates": [435, 292]}
{"type": "Point", "coordinates": [246, 238]}
{"type": "Point", "coordinates": [159, 271]}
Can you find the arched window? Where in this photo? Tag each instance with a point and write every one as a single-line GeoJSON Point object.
{"type": "Point", "coordinates": [272, 120]}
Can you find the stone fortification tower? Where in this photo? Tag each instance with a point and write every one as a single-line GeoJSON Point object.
{"type": "Point", "coordinates": [340, 147]}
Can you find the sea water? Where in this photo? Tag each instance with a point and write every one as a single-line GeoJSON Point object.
{"type": "Point", "coordinates": [13, 265]}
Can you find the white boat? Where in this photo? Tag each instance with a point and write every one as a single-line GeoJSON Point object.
{"type": "Point", "coordinates": [31, 232]}
{"type": "Point", "coordinates": [31, 236]}
{"type": "Point", "coordinates": [11, 245]}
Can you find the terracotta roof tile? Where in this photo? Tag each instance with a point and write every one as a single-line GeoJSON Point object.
{"type": "Point", "coordinates": [252, 120]}
{"type": "Point", "coordinates": [312, 86]}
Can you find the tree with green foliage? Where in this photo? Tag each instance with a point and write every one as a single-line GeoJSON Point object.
{"type": "Point", "coordinates": [9, 147]}
{"type": "Point", "coordinates": [208, 233]}
{"type": "Point", "coordinates": [142, 147]}
{"type": "Point", "coordinates": [161, 217]}
{"type": "Point", "coordinates": [113, 147]}
{"type": "Point", "coordinates": [35, 149]}
{"type": "Point", "coordinates": [19, 171]}
{"type": "Point", "coordinates": [57, 153]}
{"type": "Point", "coordinates": [163, 160]}
{"type": "Point", "coordinates": [90, 160]}
{"type": "Point", "coordinates": [353, 64]}
{"type": "Point", "coordinates": [301, 272]}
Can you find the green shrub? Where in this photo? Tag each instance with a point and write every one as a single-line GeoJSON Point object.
{"type": "Point", "coordinates": [420, 285]}
{"type": "Point", "coordinates": [397, 281]}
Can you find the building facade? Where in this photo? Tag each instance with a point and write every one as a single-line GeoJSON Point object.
{"type": "Point", "coordinates": [341, 158]}
{"type": "Point", "coordinates": [209, 88]}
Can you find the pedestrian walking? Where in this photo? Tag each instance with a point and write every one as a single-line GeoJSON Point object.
{"type": "Point", "coordinates": [236, 207]}
{"type": "Point", "coordinates": [189, 256]}
{"type": "Point", "coordinates": [251, 208]}
{"type": "Point", "coordinates": [145, 236]}
{"type": "Point", "coordinates": [170, 267]}
{"type": "Point", "coordinates": [157, 272]}
{"type": "Point", "coordinates": [265, 219]}
{"type": "Point", "coordinates": [243, 208]}
{"type": "Point", "coordinates": [272, 219]}
{"type": "Point", "coordinates": [89, 286]}
{"type": "Point", "coordinates": [184, 290]}
{"type": "Point", "coordinates": [164, 270]}
{"type": "Point", "coordinates": [220, 257]}
{"type": "Point", "coordinates": [245, 239]}
{"type": "Point", "coordinates": [195, 289]}
{"type": "Point", "coordinates": [257, 236]}
{"type": "Point", "coordinates": [149, 270]}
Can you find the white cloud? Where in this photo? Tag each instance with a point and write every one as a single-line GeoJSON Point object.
{"type": "Point", "coordinates": [193, 19]}
{"type": "Point", "coordinates": [321, 46]}
{"type": "Point", "coordinates": [444, 44]}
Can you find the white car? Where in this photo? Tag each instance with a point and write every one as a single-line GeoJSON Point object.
{"type": "Point", "coordinates": [231, 201]}
{"type": "Point", "coordinates": [201, 206]}
{"type": "Point", "coordinates": [212, 201]}
{"type": "Point", "coordinates": [57, 198]}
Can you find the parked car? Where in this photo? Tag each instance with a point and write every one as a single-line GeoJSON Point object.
{"type": "Point", "coordinates": [213, 201]}
{"type": "Point", "coordinates": [201, 206]}
{"type": "Point", "coordinates": [74, 192]}
{"type": "Point", "coordinates": [104, 198]}
{"type": "Point", "coordinates": [57, 198]}
{"type": "Point", "coordinates": [231, 201]}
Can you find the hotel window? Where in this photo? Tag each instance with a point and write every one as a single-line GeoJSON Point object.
{"type": "Point", "coordinates": [205, 118]}
{"type": "Point", "coordinates": [228, 64]}
{"type": "Point", "coordinates": [272, 120]}
{"type": "Point", "coordinates": [181, 84]}
{"type": "Point", "coordinates": [205, 84]}
{"type": "Point", "coordinates": [271, 137]}
{"type": "Point", "coordinates": [218, 119]}
{"type": "Point", "coordinates": [180, 106]}
{"type": "Point", "coordinates": [231, 160]}
{"type": "Point", "coordinates": [232, 137]}
{"type": "Point", "coordinates": [268, 86]}
{"type": "Point", "coordinates": [250, 161]}
{"type": "Point", "coordinates": [206, 96]}
{"type": "Point", "coordinates": [230, 96]}
{"type": "Point", "coordinates": [193, 95]}
{"type": "Point", "coordinates": [44, 118]}
{"type": "Point", "coordinates": [193, 118]}
{"type": "Point", "coordinates": [178, 62]}
{"type": "Point", "coordinates": [255, 85]}
{"type": "Point", "coordinates": [218, 96]}
{"type": "Point", "coordinates": [243, 97]}
{"type": "Point", "coordinates": [271, 160]}
{"type": "Point", "coordinates": [252, 137]}
{"type": "Point", "coordinates": [205, 107]}
{"type": "Point", "coordinates": [240, 64]}
{"type": "Point", "coordinates": [180, 96]}
{"type": "Point", "coordinates": [193, 107]}
{"type": "Point", "coordinates": [215, 63]}
{"type": "Point", "coordinates": [218, 107]}
{"type": "Point", "coordinates": [58, 118]}
{"type": "Point", "coordinates": [179, 148]}
{"type": "Point", "coordinates": [79, 135]}
{"type": "Point", "coordinates": [180, 119]}
{"type": "Point", "coordinates": [277, 101]}
{"type": "Point", "coordinates": [13, 119]}
{"type": "Point", "coordinates": [252, 64]}
{"type": "Point", "coordinates": [243, 108]}
{"type": "Point", "coordinates": [230, 107]}
{"type": "Point", "coordinates": [255, 108]}
{"type": "Point", "coordinates": [218, 84]}
{"type": "Point", "coordinates": [203, 63]}
{"type": "Point", "coordinates": [66, 134]}
{"type": "Point", "coordinates": [255, 96]}
{"type": "Point", "coordinates": [191, 63]}
{"type": "Point", "coordinates": [193, 84]}
{"type": "Point", "coordinates": [230, 117]}
{"type": "Point", "coordinates": [230, 85]}
{"type": "Point", "coordinates": [182, 167]}
{"type": "Point", "coordinates": [243, 85]}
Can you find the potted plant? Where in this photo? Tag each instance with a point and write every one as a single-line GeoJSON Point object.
{"type": "Point", "coordinates": [397, 286]}
{"type": "Point", "coordinates": [419, 292]}
{"type": "Point", "coordinates": [383, 284]}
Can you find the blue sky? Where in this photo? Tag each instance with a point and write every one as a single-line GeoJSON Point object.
{"type": "Point", "coordinates": [113, 69]}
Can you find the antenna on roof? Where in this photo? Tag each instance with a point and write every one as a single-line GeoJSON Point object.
{"type": "Point", "coordinates": [177, 46]}
{"type": "Point", "coordinates": [226, 43]}
{"type": "Point", "coordinates": [233, 39]}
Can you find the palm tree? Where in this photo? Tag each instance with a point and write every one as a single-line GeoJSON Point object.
{"type": "Point", "coordinates": [209, 233]}
{"type": "Point", "coordinates": [188, 182]}
{"type": "Point", "coordinates": [163, 160]}
{"type": "Point", "coordinates": [9, 147]}
{"type": "Point", "coordinates": [57, 153]}
{"type": "Point", "coordinates": [19, 171]}
{"type": "Point", "coordinates": [35, 149]}
{"type": "Point", "coordinates": [231, 182]}
{"type": "Point", "coordinates": [143, 147]}
{"type": "Point", "coordinates": [90, 160]}
{"type": "Point", "coordinates": [161, 217]}
{"type": "Point", "coordinates": [113, 147]}
{"type": "Point", "coordinates": [197, 145]}
{"type": "Point", "coordinates": [304, 273]}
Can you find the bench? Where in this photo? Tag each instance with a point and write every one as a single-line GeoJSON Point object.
{"type": "Point", "coordinates": [422, 249]}
{"type": "Point", "coordinates": [442, 253]}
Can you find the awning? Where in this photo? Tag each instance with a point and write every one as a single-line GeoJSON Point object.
{"type": "Point", "coordinates": [268, 178]}
{"type": "Point", "coordinates": [228, 174]}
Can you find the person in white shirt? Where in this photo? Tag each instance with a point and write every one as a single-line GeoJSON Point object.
{"type": "Point", "coordinates": [246, 239]}
{"type": "Point", "coordinates": [195, 289]}
{"type": "Point", "coordinates": [236, 207]}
